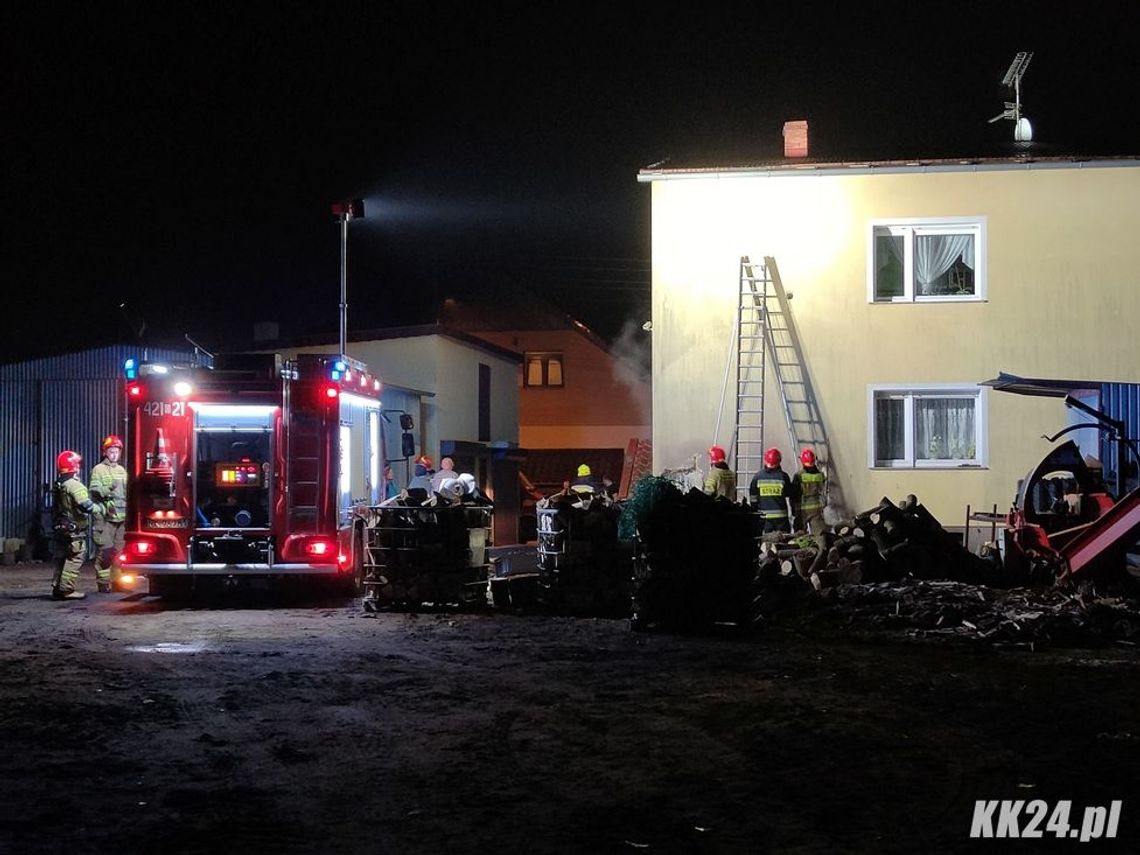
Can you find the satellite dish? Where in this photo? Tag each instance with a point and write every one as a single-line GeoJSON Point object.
{"type": "Point", "coordinates": [1022, 130]}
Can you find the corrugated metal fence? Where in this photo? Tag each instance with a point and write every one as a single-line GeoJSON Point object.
{"type": "Point", "coordinates": [47, 405]}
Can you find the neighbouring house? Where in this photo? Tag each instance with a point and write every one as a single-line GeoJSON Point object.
{"type": "Point", "coordinates": [575, 389]}
{"type": "Point", "coordinates": [581, 399]}
{"type": "Point", "coordinates": [914, 282]}
{"type": "Point", "coordinates": [462, 394]}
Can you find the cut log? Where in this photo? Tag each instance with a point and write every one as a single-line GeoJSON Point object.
{"type": "Point", "coordinates": [803, 560]}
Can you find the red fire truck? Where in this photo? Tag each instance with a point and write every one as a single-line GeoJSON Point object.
{"type": "Point", "coordinates": [251, 469]}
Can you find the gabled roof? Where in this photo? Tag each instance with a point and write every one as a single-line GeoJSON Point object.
{"type": "Point", "coordinates": [390, 333]}
{"type": "Point", "coordinates": [519, 310]}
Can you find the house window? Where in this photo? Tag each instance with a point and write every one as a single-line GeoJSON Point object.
{"type": "Point", "coordinates": [941, 426]}
{"type": "Point", "coordinates": [912, 261]}
{"type": "Point", "coordinates": [543, 369]}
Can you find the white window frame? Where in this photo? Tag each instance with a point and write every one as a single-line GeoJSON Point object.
{"type": "Point", "coordinates": [910, 392]}
{"type": "Point", "coordinates": [545, 356]}
{"type": "Point", "coordinates": [909, 229]}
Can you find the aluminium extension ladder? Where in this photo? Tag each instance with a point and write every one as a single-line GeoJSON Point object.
{"type": "Point", "coordinates": [766, 333]}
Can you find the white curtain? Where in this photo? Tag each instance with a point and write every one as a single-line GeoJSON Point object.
{"type": "Point", "coordinates": [934, 255]}
{"type": "Point", "coordinates": [944, 429]}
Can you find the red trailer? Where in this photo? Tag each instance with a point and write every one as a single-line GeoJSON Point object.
{"type": "Point", "coordinates": [250, 470]}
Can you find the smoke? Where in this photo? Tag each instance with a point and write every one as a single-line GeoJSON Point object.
{"type": "Point", "coordinates": [632, 365]}
{"type": "Point", "coordinates": [437, 211]}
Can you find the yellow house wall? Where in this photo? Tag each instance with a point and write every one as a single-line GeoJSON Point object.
{"type": "Point", "coordinates": [1062, 263]}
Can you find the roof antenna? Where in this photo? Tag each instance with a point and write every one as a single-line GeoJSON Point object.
{"type": "Point", "coordinates": [198, 351]}
{"type": "Point", "coordinates": [137, 328]}
{"type": "Point", "coordinates": [1022, 130]}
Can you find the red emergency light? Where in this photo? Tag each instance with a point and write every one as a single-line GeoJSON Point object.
{"type": "Point", "coordinates": [331, 391]}
{"type": "Point", "coordinates": [134, 390]}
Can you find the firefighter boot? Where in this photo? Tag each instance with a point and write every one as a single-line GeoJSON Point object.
{"type": "Point", "coordinates": [104, 587]}
{"type": "Point", "coordinates": [59, 594]}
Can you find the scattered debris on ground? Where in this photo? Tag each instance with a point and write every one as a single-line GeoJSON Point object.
{"type": "Point", "coordinates": [1023, 617]}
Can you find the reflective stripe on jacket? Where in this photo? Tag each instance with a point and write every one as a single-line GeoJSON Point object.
{"type": "Point", "coordinates": [73, 502]}
{"type": "Point", "coordinates": [810, 488]}
{"type": "Point", "coordinates": [768, 493]}
{"type": "Point", "coordinates": [109, 485]}
{"type": "Point", "coordinates": [721, 481]}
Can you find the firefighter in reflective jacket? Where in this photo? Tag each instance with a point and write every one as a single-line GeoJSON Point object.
{"type": "Point", "coordinates": [585, 482]}
{"type": "Point", "coordinates": [768, 493]}
{"type": "Point", "coordinates": [72, 505]}
{"type": "Point", "coordinates": [108, 485]}
{"type": "Point", "coordinates": [721, 481]}
{"type": "Point", "coordinates": [807, 493]}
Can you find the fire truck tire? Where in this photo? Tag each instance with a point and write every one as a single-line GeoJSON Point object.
{"type": "Point", "coordinates": [171, 588]}
{"type": "Point", "coordinates": [500, 594]}
{"type": "Point", "coordinates": [356, 580]}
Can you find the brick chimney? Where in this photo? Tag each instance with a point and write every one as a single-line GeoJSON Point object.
{"type": "Point", "coordinates": [796, 138]}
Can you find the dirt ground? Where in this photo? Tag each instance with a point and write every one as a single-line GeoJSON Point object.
{"type": "Point", "coordinates": [128, 724]}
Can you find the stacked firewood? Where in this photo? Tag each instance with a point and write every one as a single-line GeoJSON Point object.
{"type": "Point", "coordinates": [885, 543]}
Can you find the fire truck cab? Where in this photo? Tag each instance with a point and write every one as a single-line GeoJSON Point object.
{"type": "Point", "coordinates": [251, 469]}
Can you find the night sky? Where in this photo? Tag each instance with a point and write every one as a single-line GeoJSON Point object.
{"type": "Point", "coordinates": [181, 158]}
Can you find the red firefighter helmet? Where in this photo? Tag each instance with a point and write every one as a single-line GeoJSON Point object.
{"type": "Point", "coordinates": [807, 457]}
{"type": "Point", "coordinates": [112, 441]}
{"type": "Point", "coordinates": [716, 454]}
{"type": "Point", "coordinates": [772, 457]}
{"type": "Point", "coordinates": [67, 463]}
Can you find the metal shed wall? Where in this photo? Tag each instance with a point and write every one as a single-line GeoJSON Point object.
{"type": "Point", "coordinates": [47, 405]}
{"type": "Point", "coordinates": [1120, 401]}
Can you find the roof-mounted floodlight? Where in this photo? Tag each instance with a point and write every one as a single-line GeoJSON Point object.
{"type": "Point", "coordinates": [350, 209]}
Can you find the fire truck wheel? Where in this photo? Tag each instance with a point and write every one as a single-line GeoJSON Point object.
{"type": "Point", "coordinates": [356, 580]}
{"type": "Point", "coordinates": [501, 594]}
{"type": "Point", "coordinates": [171, 588]}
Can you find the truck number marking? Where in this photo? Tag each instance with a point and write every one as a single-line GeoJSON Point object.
{"type": "Point", "coordinates": [164, 408]}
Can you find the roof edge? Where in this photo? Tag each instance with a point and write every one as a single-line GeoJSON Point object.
{"type": "Point", "coordinates": [388, 333]}
{"type": "Point", "coordinates": [786, 169]}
